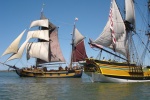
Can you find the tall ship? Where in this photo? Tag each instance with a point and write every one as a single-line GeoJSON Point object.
{"type": "Point", "coordinates": [43, 45]}
{"type": "Point", "coordinates": [123, 45]}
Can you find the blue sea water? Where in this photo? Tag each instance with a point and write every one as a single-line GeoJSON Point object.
{"type": "Point", "coordinates": [13, 87]}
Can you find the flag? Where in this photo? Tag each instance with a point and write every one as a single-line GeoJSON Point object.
{"type": "Point", "coordinates": [76, 19]}
{"type": "Point", "coordinates": [112, 26]}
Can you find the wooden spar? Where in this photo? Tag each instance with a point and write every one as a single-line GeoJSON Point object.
{"type": "Point", "coordinates": [113, 54]}
{"type": "Point", "coordinates": [10, 66]}
{"type": "Point", "coordinates": [73, 43]}
{"type": "Point", "coordinates": [107, 51]}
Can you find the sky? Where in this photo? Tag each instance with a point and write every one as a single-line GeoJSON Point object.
{"type": "Point", "coordinates": [16, 15]}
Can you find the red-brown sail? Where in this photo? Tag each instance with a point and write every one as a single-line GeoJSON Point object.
{"type": "Point", "coordinates": [79, 52]}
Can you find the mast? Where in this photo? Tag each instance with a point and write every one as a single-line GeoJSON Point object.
{"type": "Point", "coordinates": [42, 12]}
{"type": "Point", "coordinates": [40, 28]}
{"type": "Point", "coordinates": [49, 48]}
{"type": "Point", "coordinates": [148, 18]}
{"type": "Point", "coordinates": [130, 26]}
{"type": "Point", "coordinates": [73, 46]}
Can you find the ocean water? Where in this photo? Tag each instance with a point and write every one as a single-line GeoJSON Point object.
{"type": "Point", "coordinates": [13, 87]}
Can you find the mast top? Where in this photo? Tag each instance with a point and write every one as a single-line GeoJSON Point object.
{"type": "Point", "coordinates": [76, 19]}
{"type": "Point", "coordinates": [42, 12]}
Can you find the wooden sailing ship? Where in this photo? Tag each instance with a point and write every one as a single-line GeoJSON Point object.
{"type": "Point", "coordinates": [118, 40]}
{"type": "Point", "coordinates": [46, 50]}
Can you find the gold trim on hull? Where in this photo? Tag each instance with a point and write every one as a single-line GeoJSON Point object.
{"type": "Point", "coordinates": [117, 70]}
{"type": "Point", "coordinates": [49, 74]}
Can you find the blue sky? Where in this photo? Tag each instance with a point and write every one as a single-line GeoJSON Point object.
{"type": "Point", "coordinates": [16, 15]}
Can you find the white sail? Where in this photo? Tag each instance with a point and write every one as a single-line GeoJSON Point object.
{"type": "Point", "coordinates": [130, 13]}
{"type": "Point", "coordinates": [77, 36]}
{"type": "Point", "coordinates": [40, 34]}
{"type": "Point", "coordinates": [47, 49]}
{"type": "Point", "coordinates": [20, 51]}
{"type": "Point", "coordinates": [38, 50]}
{"type": "Point", "coordinates": [105, 38]}
{"type": "Point", "coordinates": [43, 22]}
{"type": "Point", "coordinates": [13, 47]}
{"type": "Point", "coordinates": [121, 45]}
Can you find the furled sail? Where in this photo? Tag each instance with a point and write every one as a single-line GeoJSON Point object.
{"type": "Point", "coordinates": [13, 48]}
{"type": "Point", "coordinates": [116, 23]}
{"type": "Point", "coordinates": [79, 52]}
{"type": "Point", "coordinates": [130, 13]}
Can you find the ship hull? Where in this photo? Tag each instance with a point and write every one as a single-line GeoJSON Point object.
{"type": "Point", "coordinates": [49, 74]}
{"type": "Point", "coordinates": [106, 71]}
{"type": "Point", "coordinates": [98, 77]}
